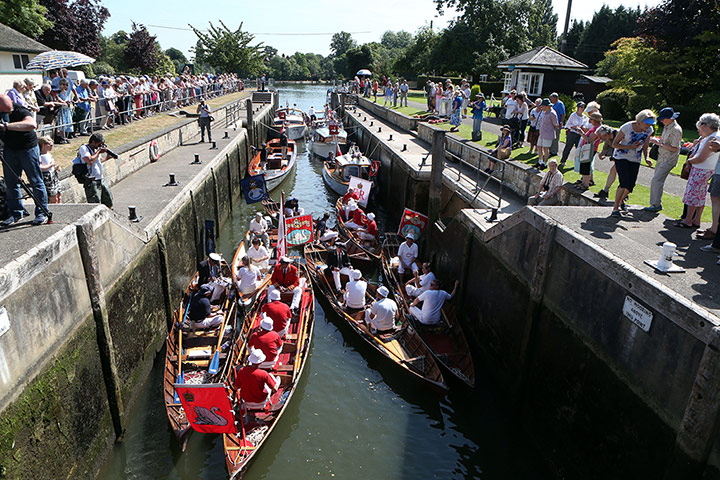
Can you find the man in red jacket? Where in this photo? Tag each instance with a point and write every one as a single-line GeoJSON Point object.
{"type": "Point", "coordinates": [285, 279]}
{"type": "Point", "coordinates": [268, 341]}
{"type": "Point", "coordinates": [369, 233]}
{"type": "Point", "coordinates": [278, 312]}
{"type": "Point", "coordinates": [357, 217]}
{"type": "Point", "coordinates": [254, 384]}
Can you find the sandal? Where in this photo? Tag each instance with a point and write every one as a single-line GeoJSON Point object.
{"type": "Point", "coordinates": [682, 225]}
{"type": "Point", "coordinates": [706, 235]}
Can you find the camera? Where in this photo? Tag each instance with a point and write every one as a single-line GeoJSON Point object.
{"type": "Point", "coordinates": [109, 152]}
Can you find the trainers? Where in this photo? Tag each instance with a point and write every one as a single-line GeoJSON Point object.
{"type": "Point", "coordinates": [9, 221]}
{"type": "Point", "coordinates": [601, 194]}
{"type": "Point", "coordinates": [710, 249]}
{"type": "Point", "coordinates": [652, 208]}
{"type": "Point", "coordinates": [40, 219]}
{"type": "Point", "coordinates": [616, 214]}
{"type": "Point", "coordinates": [623, 207]}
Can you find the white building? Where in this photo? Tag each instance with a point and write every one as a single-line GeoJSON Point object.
{"type": "Point", "coordinates": [16, 50]}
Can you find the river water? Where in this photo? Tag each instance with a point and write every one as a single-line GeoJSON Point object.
{"type": "Point", "coordinates": [350, 418]}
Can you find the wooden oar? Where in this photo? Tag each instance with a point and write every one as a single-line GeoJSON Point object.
{"type": "Point", "coordinates": [215, 362]}
{"type": "Point", "coordinates": [180, 377]}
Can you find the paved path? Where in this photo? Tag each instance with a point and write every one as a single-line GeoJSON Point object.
{"type": "Point", "coordinates": [674, 185]}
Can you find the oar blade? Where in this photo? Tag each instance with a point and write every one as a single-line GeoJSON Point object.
{"type": "Point", "coordinates": [214, 363]}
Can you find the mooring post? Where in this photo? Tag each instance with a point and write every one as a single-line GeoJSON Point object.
{"type": "Point", "coordinates": [699, 427]}
{"type": "Point", "coordinates": [88, 253]}
{"type": "Point", "coordinates": [438, 162]}
{"type": "Point", "coordinates": [165, 276]}
{"type": "Point", "coordinates": [250, 121]}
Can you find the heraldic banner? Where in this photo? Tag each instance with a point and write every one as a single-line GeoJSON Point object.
{"type": "Point", "coordinates": [412, 222]}
{"type": "Point", "coordinates": [362, 188]}
{"type": "Point", "coordinates": [254, 188]}
{"type": "Point", "coordinates": [207, 407]}
{"type": "Point", "coordinates": [299, 230]}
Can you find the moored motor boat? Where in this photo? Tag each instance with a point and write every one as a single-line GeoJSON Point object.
{"type": "Point", "coordinates": [291, 121]}
{"type": "Point", "coordinates": [447, 341]}
{"type": "Point", "coordinates": [194, 357]}
{"type": "Point", "coordinates": [403, 348]}
{"type": "Point", "coordinates": [323, 142]}
{"type": "Point", "coordinates": [255, 427]}
{"type": "Point", "coordinates": [277, 167]}
{"type": "Point", "coordinates": [337, 171]}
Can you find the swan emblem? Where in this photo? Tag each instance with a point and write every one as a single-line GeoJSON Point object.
{"type": "Point", "coordinates": [209, 417]}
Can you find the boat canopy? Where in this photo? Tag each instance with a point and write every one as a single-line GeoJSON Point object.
{"type": "Point", "coordinates": [347, 160]}
{"type": "Point", "coordinates": [324, 133]}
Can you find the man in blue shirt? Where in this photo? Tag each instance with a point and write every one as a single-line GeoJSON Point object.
{"type": "Point", "coordinates": [478, 109]}
{"type": "Point", "coordinates": [83, 108]}
{"type": "Point", "coordinates": [559, 108]}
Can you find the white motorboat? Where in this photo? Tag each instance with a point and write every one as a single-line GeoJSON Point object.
{"type": "Point", "coordinates": [292, 120]}
{"type": "Point", "coordinates": [322, 143]}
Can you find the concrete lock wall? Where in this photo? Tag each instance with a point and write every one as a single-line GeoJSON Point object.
{"type": "Point", "coordinates": [603, 398]}
{"type": "Point", "coordinates": [75, 356]}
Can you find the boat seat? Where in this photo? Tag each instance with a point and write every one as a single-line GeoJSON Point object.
{"type": "Point", "coordinates": [186, 358]}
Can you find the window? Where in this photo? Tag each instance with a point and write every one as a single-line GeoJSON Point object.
{"type": "Point", "coordinates": [530, 83]}
{"type": "Point", "coordinates": [508, 82]}
{"type": "Point", "coordinates": [20, 61]}
{"type": "Point", "coordinates": [482, 78]}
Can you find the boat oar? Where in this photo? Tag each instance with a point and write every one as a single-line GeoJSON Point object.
{"type": "Point", "coordinates": [215, 362]}
{"type": "Point", "coordinates": [180, 376]}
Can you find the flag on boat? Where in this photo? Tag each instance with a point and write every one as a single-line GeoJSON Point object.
{"type": "Point", "coordinates": [207, 407]}
{"type": "Point", "coordinates": [254, 189]}
{"type": "Point", "coordinates": [299, 230]}
{"type": "Point", "coordinates": [282, 241]}
{"type": "Point", "coordinates": [362, 188]}
{"type": "Point", "coordinates": [412, 222]}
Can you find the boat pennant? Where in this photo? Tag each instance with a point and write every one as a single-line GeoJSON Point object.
{"type": "Point", "coordinates": [412, 222]}
{"type": "Point", "coordinates": [207, 407]}
{"type": "Point", "coordinates": [362, 188]}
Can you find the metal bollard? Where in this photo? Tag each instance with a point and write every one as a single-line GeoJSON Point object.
{"type": "Point", "coordinates": [371, 123]}
{"type": "Point", "coordinates": [379, 129]}
{"type": "Point", "coordinates": [227, 135]}
{"type": "Point", "coordinates": [197, 160]}
{"type": "Point", "coordinates": [132, 214]}
{"type": "Point", "coordinates": [214, 146]}
{"type": "Point", "coordinates": [404, 147]}
{"type": "Point", "coordinates": [390, 139]}
{"type": "Point", "coordinates": [172, 182]}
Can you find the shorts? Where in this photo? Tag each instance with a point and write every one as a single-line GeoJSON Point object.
{"type": "Point", "coordinates": [544, 142]}
{"type": "Point", "coordinates": [585, 168]}
{"type": "Point", "coordinates": [627, 173]}
{"type": "Point", "coordinates": [714, 187]}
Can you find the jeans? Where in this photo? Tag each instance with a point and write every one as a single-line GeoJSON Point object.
{"type": "Point", "coordinates": [205, 125]}
{"type": "Point", "coordinates": [97, 191]}
{"type": "Point", "coordinates": [83, 123]}
{"type": "Point", "coordinates": [662, 170]}
{"type": "Point", "coordinates": [16, 162]}
{"type": "Point", "coordinates": [477, 129]}
{"type": "Point", "coordinates": [403, 98]}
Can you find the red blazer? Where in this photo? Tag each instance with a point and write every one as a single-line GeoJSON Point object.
{"type": "Point", "coordinates": [289, 278]}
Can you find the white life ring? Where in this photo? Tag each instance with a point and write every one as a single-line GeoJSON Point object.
{"type": "Point", "coordinates": [154, 151]}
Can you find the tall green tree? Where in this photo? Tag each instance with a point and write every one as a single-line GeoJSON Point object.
{"type": "Point", "coordinates": [76, 25]}
{"type": "Point", "coordinates": [396, 40]}
{"type": "Point", "coordinates": [25, 16]}
{"type": "Point", "coordinates": [142, 52]}
{"type": "Point", "coordinates": [415, 58]}
{"type": "Point", "coordinates": [573, 36]}
{"type": "Point", "coordinates": [340, 43]}
{"type": "Point", "coordinates": [606, 26]}
{"type": "Point", "coordinates": [230, 50]}
{"type": "Point", "coordinates": [542, 24]}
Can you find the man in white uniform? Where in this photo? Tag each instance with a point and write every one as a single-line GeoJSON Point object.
{"type": "Point", "coordinates": [355, 291]}
{"type": "Point", "coordinates": [420, 283]}
{"type": "Point", "coordinates": [259, 229]}
{"type": "Point", "coordinates": [248, 277]}
{"type": "Point", "coordinates": [259, 255]}
{"type": "Point", "coordinates": [407, 254]}
{"type": "Point", "coordinates": [433, 301]}
{"type": "Point", "coordinates": [383, 312]}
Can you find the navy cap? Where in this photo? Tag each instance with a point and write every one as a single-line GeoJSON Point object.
{"type": "Point", "coordinates": [667, 113]}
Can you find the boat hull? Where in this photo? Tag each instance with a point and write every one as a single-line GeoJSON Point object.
{"type": "Point", "coordinates": [335, 185]}
{"type": "Point", "coordinates": [321, 149]}
{"type": "Point", "coordinates": [296, 132]}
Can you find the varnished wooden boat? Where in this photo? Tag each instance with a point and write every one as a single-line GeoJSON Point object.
{"type": "Point", "coordinates": [277, 168]}
{"type": "Point", "coordinates": [240, 252]}
{"type": "Point", "coordinates": [373, 249]}
{"type": "Point", "coordinates": [197, 349]}
{"type": "Point", "coordinates": [240, 448]}
{"type": "Point", "coordinates": [337, 172]}
{"type": "Point", "coordinates": [292, 120]}
{"type": "Point", "coordinates": [404, 349]}
{"type": "Point", "coordinates": [448, 345]}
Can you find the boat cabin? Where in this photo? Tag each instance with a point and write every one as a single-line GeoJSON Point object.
{"type": "Point", "coordinates": [348, 166]}
{"type": "Point", "coordinates": [322, 135]}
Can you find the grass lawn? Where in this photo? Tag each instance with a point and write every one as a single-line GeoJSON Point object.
{"type": "Point", "coordinates": [64, 154]}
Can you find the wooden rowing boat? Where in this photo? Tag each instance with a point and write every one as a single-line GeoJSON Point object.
{"type": "Point", "coordinates": [404, 349]}
{"type": "Point", "coordinates": [448, 343]}
{"type": "Point", "coordinates": [373, 249]}
{"type": "Point", "coordinates": [189, 355]}
{"type": "Point", "coordinates": [240, 252]}
{"type": "Point", "coordinates": [240, 448]}
{"type": "Point", "coordinates": [277, 168]}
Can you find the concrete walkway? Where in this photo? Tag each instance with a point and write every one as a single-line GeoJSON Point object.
{"type": "Point", "coordinates": [674, 185]}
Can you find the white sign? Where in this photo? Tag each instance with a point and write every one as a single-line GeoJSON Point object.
{"type": "Point", "coordinates": [4, 321]}
{"type": "Point", "coordinates": [637, 314]}
{"type": "Point", "coordinates": [362, 187]}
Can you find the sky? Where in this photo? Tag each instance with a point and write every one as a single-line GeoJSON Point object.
{"type": "Point", "coordinates": [306, 25]}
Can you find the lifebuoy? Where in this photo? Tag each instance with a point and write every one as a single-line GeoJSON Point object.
{"type": "Point", "coordinates": [374, 167]}
{"type": "Point", "coordinates": [154, 151]}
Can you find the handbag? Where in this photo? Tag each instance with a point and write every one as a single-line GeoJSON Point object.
{"type": "Point", "coordinates": [503, 153]}
{"type": "Point", "coordinates": [654, 151]}
{"type": "Point", "coordinates": [685, 172]}
{"type": "Point", "coordinates": [584, 154]}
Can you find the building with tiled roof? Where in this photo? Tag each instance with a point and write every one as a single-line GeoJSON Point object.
{"type": "Point", "coordinates": [16, 50]}
{"type": "Point", "coordinates": [541, 70]}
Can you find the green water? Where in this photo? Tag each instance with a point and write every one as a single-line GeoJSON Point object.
{"type": "Point", "coordinates": [352, 417]}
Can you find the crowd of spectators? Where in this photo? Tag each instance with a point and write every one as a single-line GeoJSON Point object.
{"type": "Point", "coordinates": [64, 109]}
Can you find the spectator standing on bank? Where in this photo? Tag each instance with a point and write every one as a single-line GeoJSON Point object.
{"type": "Point", "coordinates": [478, 111]}
{"type": "Point", "coordinates": [96, 190]}
{"type": "Point", "coordinates": [607, 135]}
{"type": "Point", "coordinates": [704, 163]}
{"type": "Point", "coordinates": [65, 126]}
{"type": "Point", "coordinates": [559, 107]}
{"type": "Point", "coordinates": [522, 114]}
{"type": "Point", "coordinates": [48, 109]}
{"type": "Point", "coordinates": [631, 146]}
{"type": "Point", "coordinates": [204, 110]}
{"type": "Point", "coordinates": [16, 93]}
{"type": "Point", "coordinates": [548, 128]}
{"type": "Point", "coordinates": [456, 108]}
{"type": "Point", "coordinates": [466, 97]}
{"type": "Point", "coordinates": [510, 103]}
{"type": "Point", "coordinates": [668, 154]}
{"type": "Point", "coordinates": [532, 135]}
{"type": "Point", "coordinates": [83, 109]}
{"type": "Point", "coordinates": [404, 88]}
{"type": "Point", "coordinates": [49, 169]}
{"type": "Point", "coordinates": [21, 154]}
{"type": "Point", "coordinates": [438, 97]}
{"type": "Point", "coordinates": [574, 126]}
{"type": "Point", "coordinates": [30, 98]}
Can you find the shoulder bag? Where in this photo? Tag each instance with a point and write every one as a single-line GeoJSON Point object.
{"type": "Point", "coordinates": [584, 154]}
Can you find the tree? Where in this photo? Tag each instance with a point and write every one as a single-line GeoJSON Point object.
{"type": "Point", "coordinates": [341, 42]}
{"type": "Point", "coordinates": [542, 24]}
{"type": "Point", "coordinates": [416, 57]}
{"type": "Point", "coordinates": [230, 50]}
{"type": "Point", "coordinates": [392, 40]}
{"type": "Point", "coordinates": [112, 51]}
{"type": "Point", "coordinates": [606, 26]}
{"type": "Point", "coordinates": [25, 16]}
{"type": "Point", "coordinates": [357, 58]}
{"type": "Point", "coordinates": [177, 58]}
{"type": "Point", "coordinates": [76, 25]}
{"type": "Point", "coordinates": [142, 53]}
{"type": "Point", "coordinates": [573, 36]}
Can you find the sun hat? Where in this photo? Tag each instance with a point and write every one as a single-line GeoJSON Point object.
{"type": "Point", "coordinates": [266, 323]}
{"type": "Point", "coordinates": [285, 259]}
{"type": "Point", "coordinates": [256, 356]}
{"type": "Point", "coordinates": [480, 95]}
{"type": "Point", "coordinates": [215, 257]}
{"type": "Point", "coordinates": [258, 215]}
{"type": "Point", "coordinates": [579, 104]}
{"type": "Point", "coordinates": [383, 291]}
{"type": "Point", "coordinates": [645, 116]}
{"type": "Point", "coordinates": [274, 295]}
{"type": "Point", "coordinates": [410, 236]}
{"type": "Point", "coordinates": [353, 206]}
{"type": "Point", "coordinates": [545, 102]}
{"type": "Point", "coordinates": [505, 127]}
{"type": "Point", "coordinates": [597, 116]}
{"type": "Point", "coordinates": [667, 113]}
{"type": "Point", "coordinates": [356, 274]}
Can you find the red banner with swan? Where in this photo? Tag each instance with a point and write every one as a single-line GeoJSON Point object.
{"type": "Point", "coordinates": [207, 407]}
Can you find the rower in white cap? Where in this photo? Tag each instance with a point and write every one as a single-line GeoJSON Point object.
{"type": "Point", "coordinates": [357, 217]}
{"type": "Point", "coordinates": [267, 340]}
{"type": "Point", "coordinates": [407, 254]}
{"type": "Point", "coordinates": [355, 291]}
{"type": "Point", "coordinates": [255, 385]}
{"type": "Point", "coordinates": [383, 312]}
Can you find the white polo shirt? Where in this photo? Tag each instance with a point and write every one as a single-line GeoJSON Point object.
{"type": "Point", "coordinates": [384, 311]}
{"type": "Point", "coordinates": [408, 254]}
{"type": "Point", "coordinates": [355, 293]}
{"type": "Point", "coordinates": [258, 227]}
{"type": "Point", "coordinates": [433, 301]}
{"type": "Point", "coordinates": [426, 280]}
{"type": "Point", "coordinates": [247, 278]}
